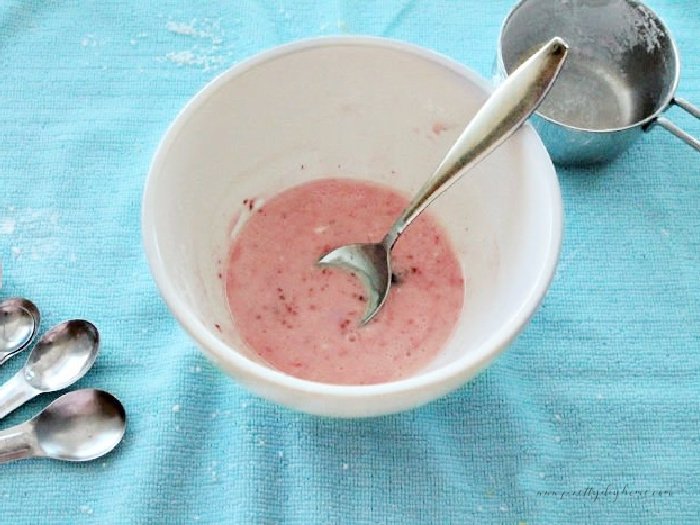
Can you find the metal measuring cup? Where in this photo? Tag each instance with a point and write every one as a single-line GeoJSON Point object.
{"type": "Point", "coordinates": [620, 76]}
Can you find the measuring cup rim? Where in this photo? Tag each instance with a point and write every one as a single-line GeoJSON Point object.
{"type": "Point", "coordinates": [663, 106]}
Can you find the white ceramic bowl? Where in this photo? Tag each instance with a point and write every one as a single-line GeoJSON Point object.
{"type": "Point", "coordinates": [362, 108]}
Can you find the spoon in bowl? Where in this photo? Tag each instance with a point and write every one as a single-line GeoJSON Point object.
{"type": "Point", "coordinates": [502, 114]}
{"type": "Point", "coordinates": [79, 426]}
{"type": "Point", "coordinates": [19, 322]}
{"type": "Point", "coordinates": [63, 355]}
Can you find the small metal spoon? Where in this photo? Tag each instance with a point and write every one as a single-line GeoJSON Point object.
{"type": "Point", "coordinates": [501, 115]}
{"type": "Point", "coordinates": [62, 356]}
{"type": "Point", "coordinates": [19, 322]}
{"type": "Point", "coordinates": [79, 426]}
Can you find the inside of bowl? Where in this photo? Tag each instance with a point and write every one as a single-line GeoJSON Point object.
{"type": "Point", "coordinates": [358, 111]}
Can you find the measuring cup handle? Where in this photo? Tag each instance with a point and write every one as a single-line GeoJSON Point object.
{"type": "Point", "coordinates": [678, 132]}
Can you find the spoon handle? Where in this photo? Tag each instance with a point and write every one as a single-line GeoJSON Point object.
{"type": "Point", "coordinates": [15, 393]}
{"type": "Point", "coordinates": [17, 443]}
{"type": "Point", "coordinates": [501, 115]}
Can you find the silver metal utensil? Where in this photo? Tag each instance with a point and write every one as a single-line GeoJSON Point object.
{"type": "Point", "coordinates": [79, 426]}
{"type": "Point", "coordinates": [620, 78]}
{"type": "Point", "coordinates": [62, 356]}
{"type": "Point", "coordinates": [19, 322]}
{"type": "Point", "coordinates": [500, 116]}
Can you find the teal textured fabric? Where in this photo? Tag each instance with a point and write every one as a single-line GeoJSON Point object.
{"type": "Point", "coordinates": [592, 416]}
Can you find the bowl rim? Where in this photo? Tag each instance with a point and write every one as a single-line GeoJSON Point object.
{"type": "Point", "coordinates": [241, 367]}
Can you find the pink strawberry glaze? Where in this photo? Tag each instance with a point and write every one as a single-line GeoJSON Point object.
{"type": "Point", "coordinates": [303, 320]}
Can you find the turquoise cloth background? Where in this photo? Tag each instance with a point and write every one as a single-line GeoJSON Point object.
{"type": "Point", "coordinates": [601, 390]}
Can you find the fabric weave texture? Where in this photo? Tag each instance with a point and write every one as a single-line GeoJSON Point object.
{"type": "Point", "coordinates": [601, 391]}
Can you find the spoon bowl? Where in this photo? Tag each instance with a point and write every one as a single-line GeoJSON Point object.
{"type": "Point", "coordinates": [510, 105]}
{"type": "Point", "coordinates": [62, 356]}
{"type": "Point", "coordinates": [19, 321]}
{"type": "Point", "coordinates": [80, 426]}
{"type": "Point", "coordinates": [372, 264]}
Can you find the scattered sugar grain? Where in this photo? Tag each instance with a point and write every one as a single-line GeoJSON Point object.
{"type": "Point", "coordinates": [7, 226]}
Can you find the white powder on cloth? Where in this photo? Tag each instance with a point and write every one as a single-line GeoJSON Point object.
{"type": "Point", "coordinates": [36, 232]}
{"type": "Point", "coordinates": [88, 41]}
{"type": "Point", "coordinates": [190, 58]}
{"type": "Point", "coordinates": [207, 37]}
{"type": "Point", "coordinates": [206, 29]}
{"type": "Point", "coordinates": [41, 226]}
{"type": "Point", "coordinates": [7, 226]}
